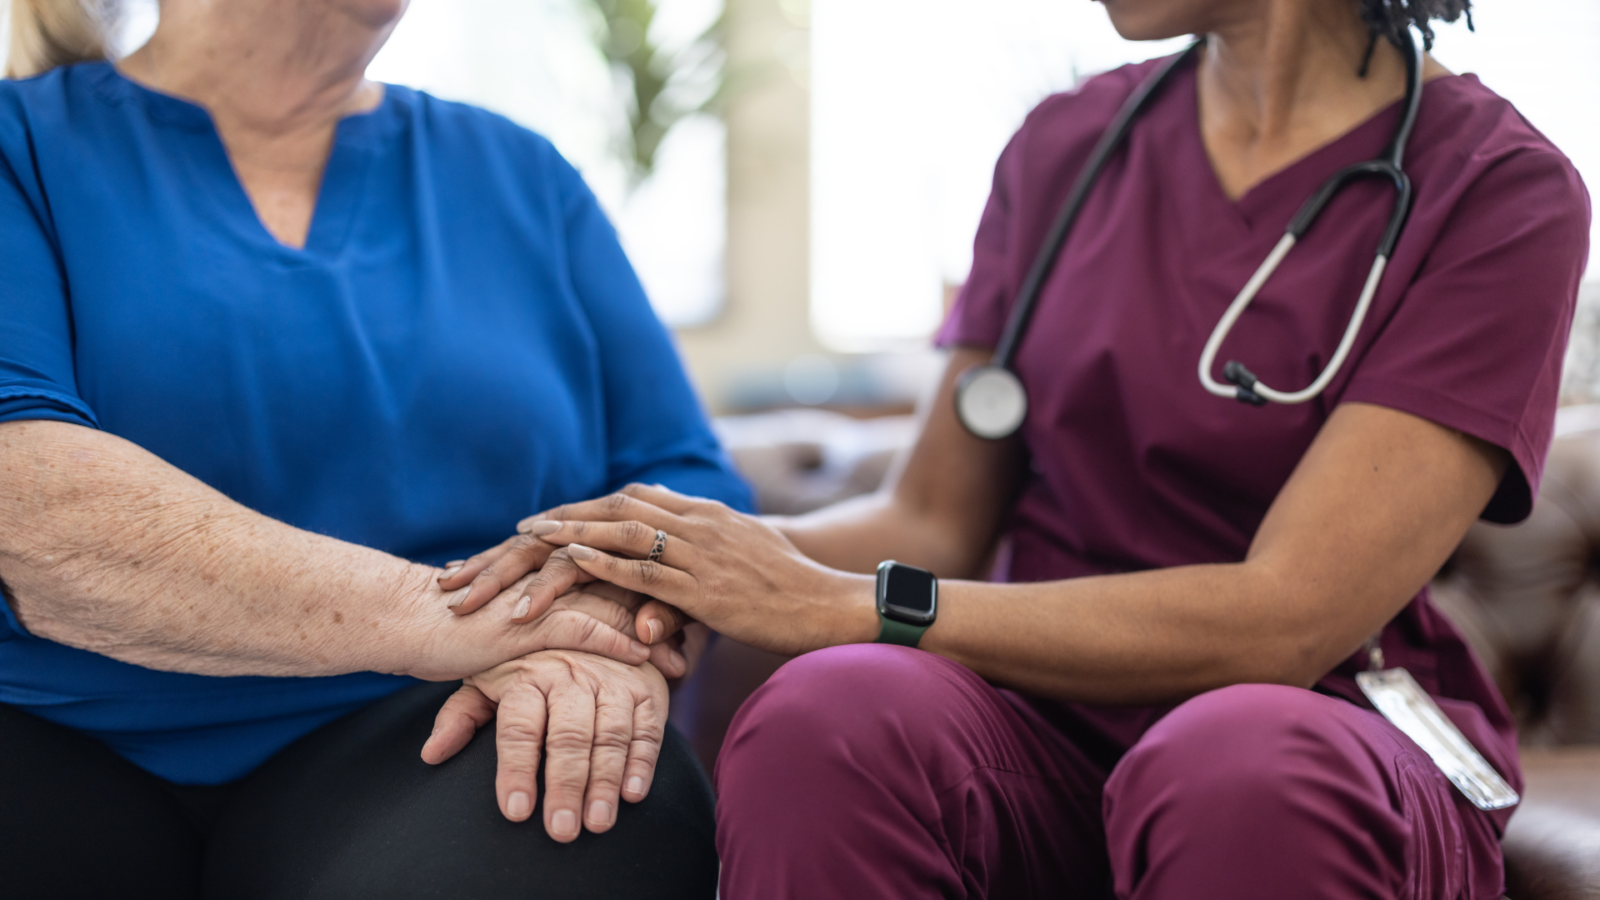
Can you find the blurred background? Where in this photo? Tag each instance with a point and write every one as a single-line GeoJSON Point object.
{"type": "Point", "coordinates": [798, 181]}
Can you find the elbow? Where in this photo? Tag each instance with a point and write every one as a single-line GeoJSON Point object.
{"type": "Point", "coordinates": [1300, 657]}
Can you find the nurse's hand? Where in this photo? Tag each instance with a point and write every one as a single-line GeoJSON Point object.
{"type": "Point", "coordinates": [731, 571]}
{"type": "Point", "coordinates": [598, 723]}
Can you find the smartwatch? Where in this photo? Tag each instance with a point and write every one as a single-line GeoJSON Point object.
{"type": "Point", "coordinates": [908, 602]}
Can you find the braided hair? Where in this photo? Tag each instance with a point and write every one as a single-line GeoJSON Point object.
{"type": "Point", "coordinates": [1388, 19]}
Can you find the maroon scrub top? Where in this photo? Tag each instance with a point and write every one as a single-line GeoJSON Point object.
{"type": "Point", "coordinates": [1135, 466]}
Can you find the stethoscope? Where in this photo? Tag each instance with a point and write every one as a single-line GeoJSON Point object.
{"type": "Point", "coordinates": [990, 399]}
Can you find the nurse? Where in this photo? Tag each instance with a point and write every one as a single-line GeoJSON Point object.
{"type": "Point", "coordinates": [1140, 677]}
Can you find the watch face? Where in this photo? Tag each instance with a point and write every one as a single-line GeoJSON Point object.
{"type": "Point", "coordinates": [908, 594]}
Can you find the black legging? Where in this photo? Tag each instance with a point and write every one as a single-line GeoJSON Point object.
{"type": "Point", "coordinates": [349, 811]}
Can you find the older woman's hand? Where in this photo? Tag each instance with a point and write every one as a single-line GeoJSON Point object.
{"type": "Point", "coordinates": [598, 722]}
{"type": "Point", "coordinates": [732, 571]}
{"type": "Point", "coordinates": [504, 570]}
{"type": "Point", "coordinates": [598, 619]}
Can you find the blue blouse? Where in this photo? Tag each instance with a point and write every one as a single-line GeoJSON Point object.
{"type": "Point", "coordinates": [460, 343]}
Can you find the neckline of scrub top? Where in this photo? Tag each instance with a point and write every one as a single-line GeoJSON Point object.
{"type": "Point", "coordinates": [356, 138]}
{"type": "Point", "coordinates": [1290, 186]}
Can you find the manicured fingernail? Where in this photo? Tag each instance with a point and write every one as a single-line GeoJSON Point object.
{"type": "Point", "coordinates": [523, 605]}
{"type": "Point", "coordinates": [519, 805]}
{"type": "Point", "coordinates": [599, 813]}
{"type": "Point", "coordinates": [654, 628]}
{"type": "Point", "coordinates": [636, 785]}
{"type": "Point", "coordinates": [564, 822]}
{"type": "Point", "coordinates": [579, 551]}
{"type": "Point", "coordinates": [449, 573]}
{"type": "Point", "coordinates": [460, 598]}
{"type": "Point", "coordinates": [541, 528]}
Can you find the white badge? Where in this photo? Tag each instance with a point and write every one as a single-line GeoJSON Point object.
{"type": "Point", "coordinates": [1402, 701]}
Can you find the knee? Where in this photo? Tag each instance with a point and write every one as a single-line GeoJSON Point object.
{"type": "Point", "coordinates": [843, 707]}
{"type": "Point", "coordinates": [1242, 747]}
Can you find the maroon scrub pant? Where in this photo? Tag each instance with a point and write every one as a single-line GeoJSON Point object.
{"type": "Point", "coordinates": [882, 772]}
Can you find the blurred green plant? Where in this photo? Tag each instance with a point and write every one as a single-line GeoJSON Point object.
{"type": "Point", "coordinates": [667, 84]}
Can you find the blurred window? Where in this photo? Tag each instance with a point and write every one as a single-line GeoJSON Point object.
{"type": "Point", "coordinates": [913, 100]}
{"type": "Point", "coordinates": [537, 62]}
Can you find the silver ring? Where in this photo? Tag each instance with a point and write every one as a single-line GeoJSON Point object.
{"type": "Point", "coordinates": [659, 548]}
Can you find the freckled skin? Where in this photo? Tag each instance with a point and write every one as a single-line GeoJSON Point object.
{"type": "Point", "coordinates": [150, 566]}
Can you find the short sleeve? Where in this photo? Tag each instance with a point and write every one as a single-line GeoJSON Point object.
{"type": "Point", "coordinates": [36, 360]}
{"type": "Point", "coordinates": [656, 432]}
{"type": "Point", "coordinates": [1477, 342]}
{"type": "Point", "coordinates": [979, 314]}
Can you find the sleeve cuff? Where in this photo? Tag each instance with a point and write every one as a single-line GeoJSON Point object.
{"type": "Point", "coordinates": [1513, 498]}
{"type": "Point", "coordinates": [24, 403]}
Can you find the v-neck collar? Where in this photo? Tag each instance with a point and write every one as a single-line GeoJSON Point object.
{"type": "Point", "coordinates": [1270, 202]}
{"type": "Point", "coordinates": [356, 138]}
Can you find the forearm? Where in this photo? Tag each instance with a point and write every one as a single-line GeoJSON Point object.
{"type": "Point", "coordinates": [1150, 637]}
{"type": "Point", "coordinates": [107, 548]}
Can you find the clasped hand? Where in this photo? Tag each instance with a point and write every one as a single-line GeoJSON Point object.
{"type": "Point", "coordinates": [736, 573]}
{"type": "Point", "coordinates": [593, 703]}
{"type": "Point", "coordinates": [600, 721]}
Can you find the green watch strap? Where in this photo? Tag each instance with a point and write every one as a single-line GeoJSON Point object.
{"type": "Point", "coordinates": [899, 632]}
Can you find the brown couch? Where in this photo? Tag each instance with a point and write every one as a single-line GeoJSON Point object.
{"type": "Point", "coordinates": [1527, 597]}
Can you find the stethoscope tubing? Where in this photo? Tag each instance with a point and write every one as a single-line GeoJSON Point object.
{"type": "Point", "coordinates": [992, 402]}
{"type": "Point", "coordinates": [1243, 385]}
{"type": "Point", "coordinates": [1110, 140]}
{"type": "Point", "coordinates": [1253, 385]}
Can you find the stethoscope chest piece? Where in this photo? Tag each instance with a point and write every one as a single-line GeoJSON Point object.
{"type": "Point", "coordinates": [991, 402]}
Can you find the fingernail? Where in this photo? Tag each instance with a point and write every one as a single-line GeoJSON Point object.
{"type": "Point", "coordinates": [599, 813]}
{"type": "Point", "coordinates": [638, 648]}
{"type": "Point", "coordinates": [579, 551]}
{"type": "Point", "coordinates": [523, 605]}
{"type": "Point", "coordinates": [460, 598]}
{"type": "Point", "coordinates": [541, 528]}
{"type": "Point", "coordinates": [677, 660]}
{"type": "Point", "coordinates": [636, 785]}
{"type": "Point", "coordinates": [519, 805]}
{"type": "Point", "coordinates": [449, 573]}
{"type": "Point", "coordinates": [564, 822]}
{"type": "Point", "coordinates": [655, 630]}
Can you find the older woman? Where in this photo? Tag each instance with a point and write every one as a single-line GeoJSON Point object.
{"type": "Point", "coordinates": [1167, 701]}
{"type": "Point", "coordinates": [277, 342]}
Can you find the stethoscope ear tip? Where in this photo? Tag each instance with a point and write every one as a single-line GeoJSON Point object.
{"type": "Point", "coordinates": [1237, 375]}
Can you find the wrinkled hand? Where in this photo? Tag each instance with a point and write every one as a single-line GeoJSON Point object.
{"type": "Point", "coordinates": [597, 619]}
{"type": "Point", "coordinates": [478, 580]}
{"type": "Point", "coordinates": [673, 653]}
{"type": "Point", "coordinates": [598, 723]}
{"type": "Point", "coordinates": [734, 572]}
